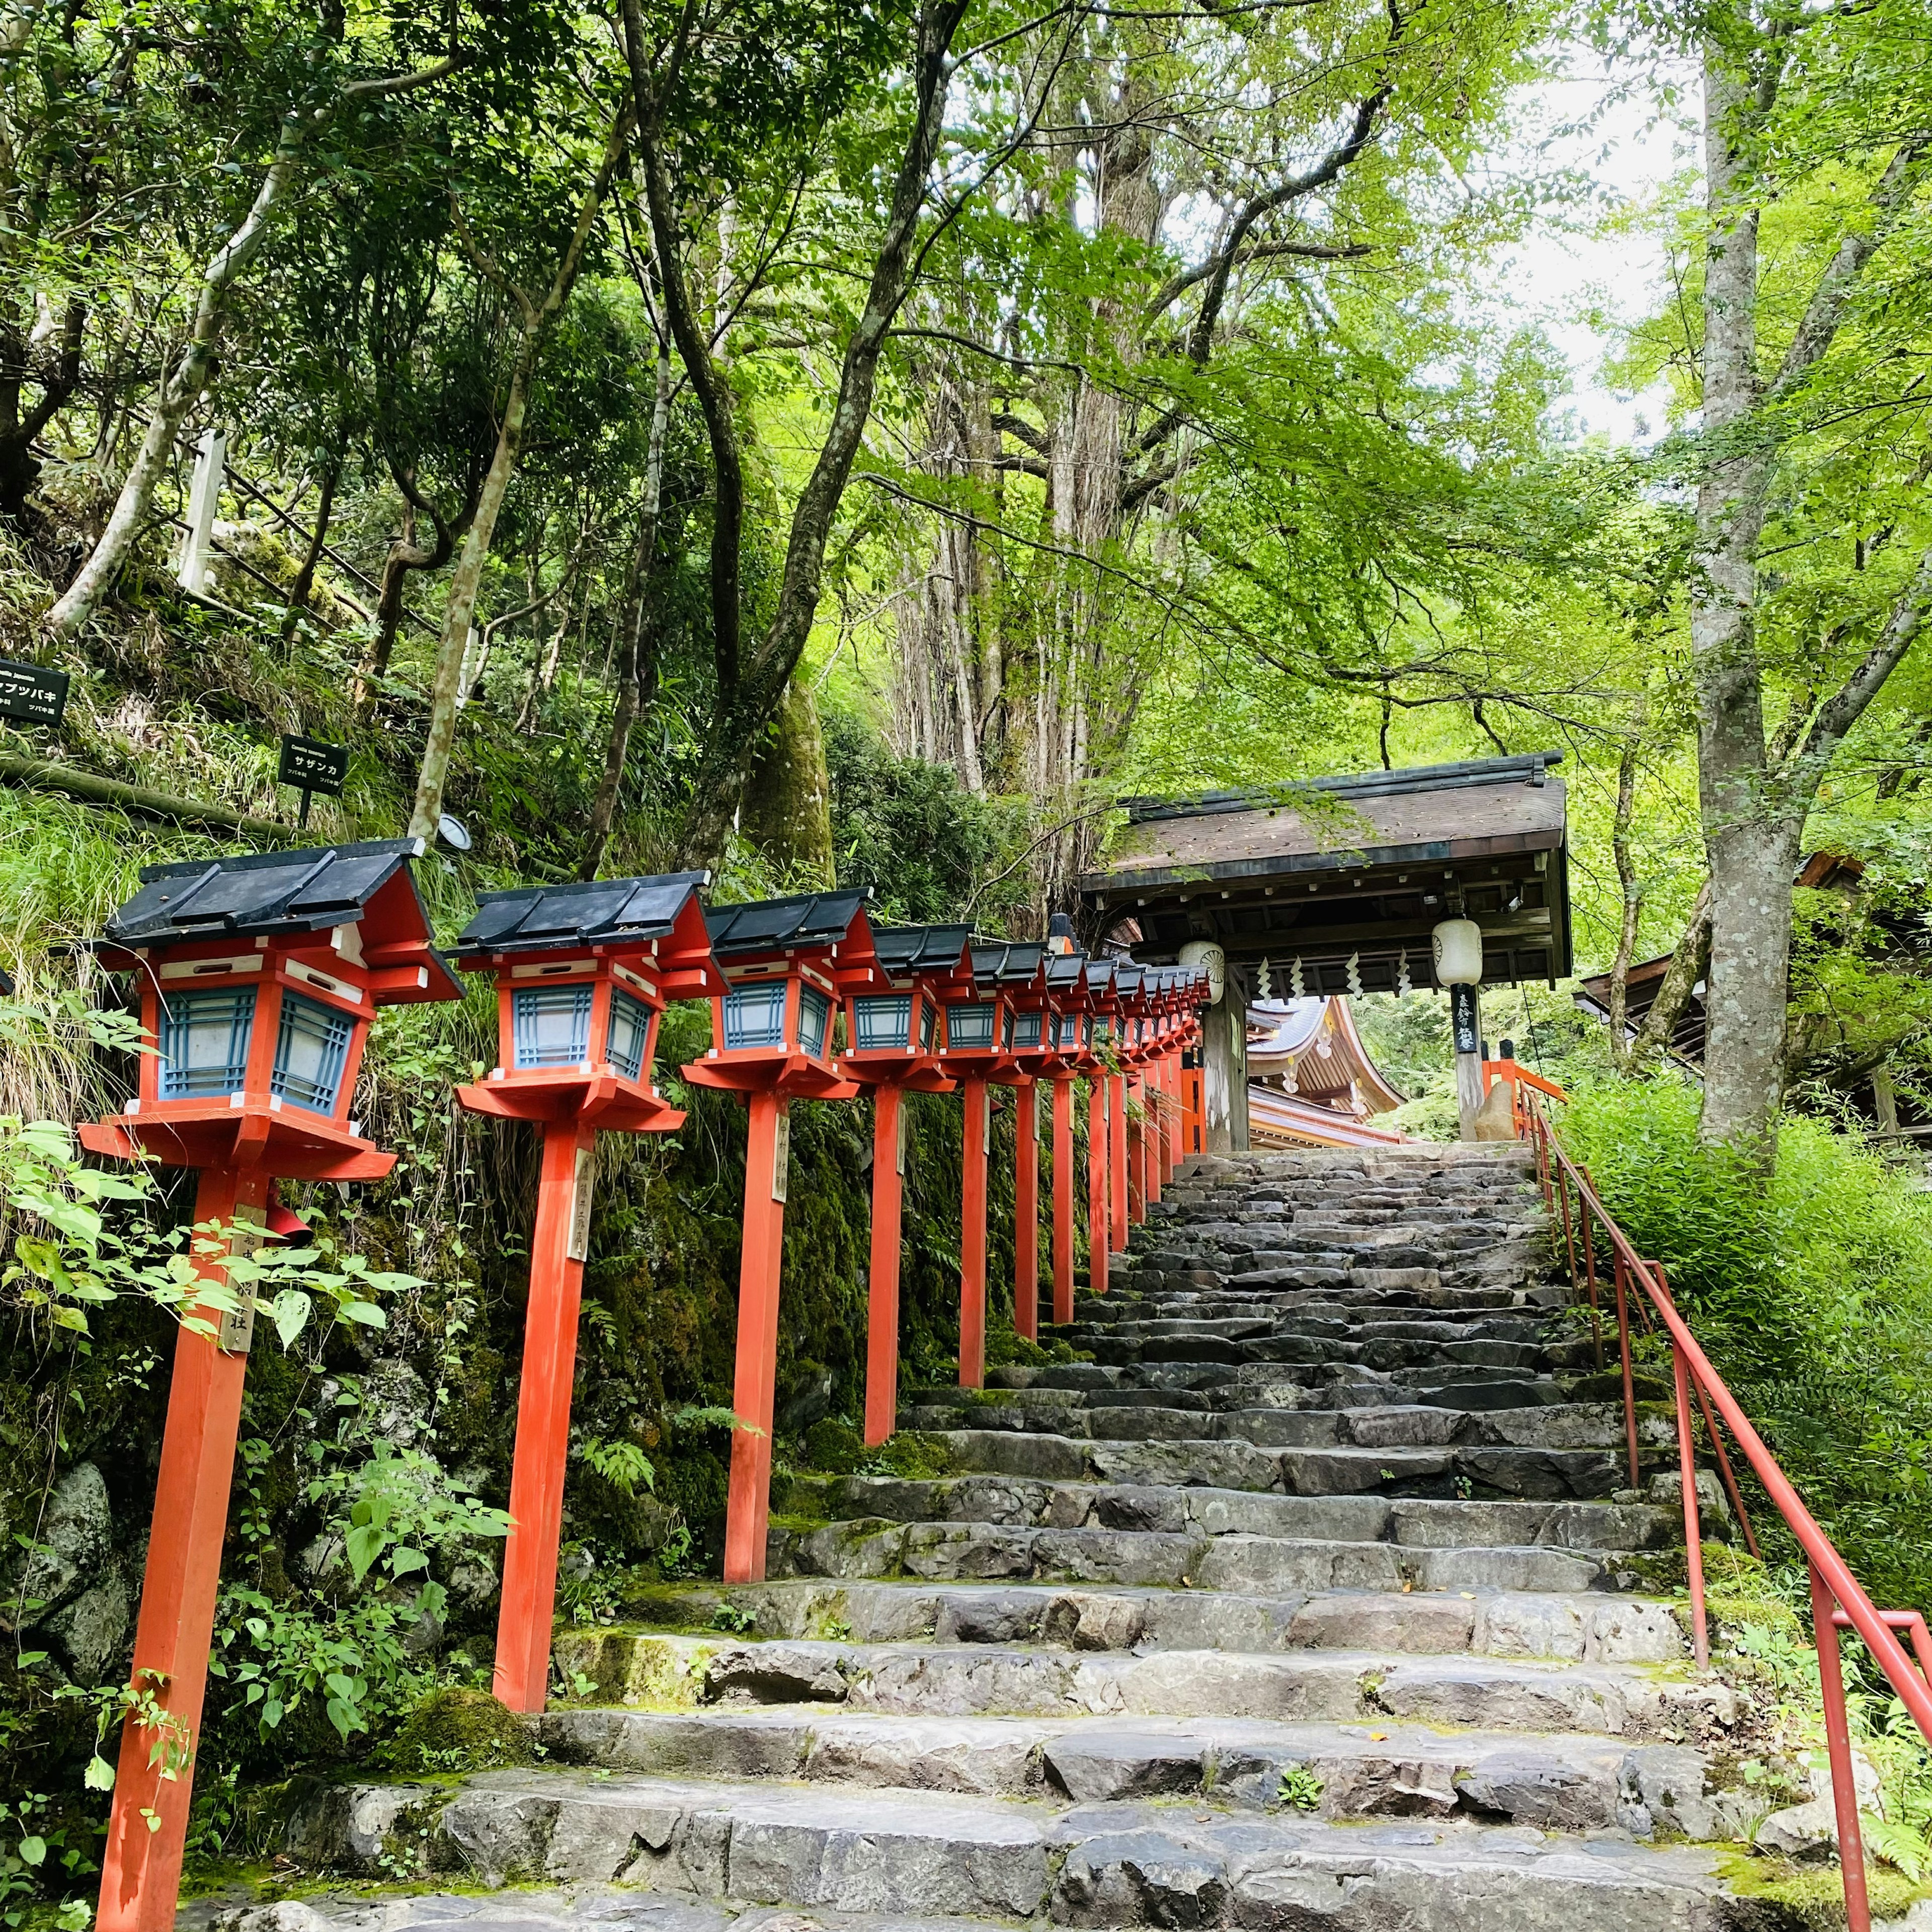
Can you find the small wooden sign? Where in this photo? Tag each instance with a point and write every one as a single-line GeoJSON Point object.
{"type": "Point", "coordinates": [310, 764]}
{"type": "Point", "coordinates": [781, 1154]}
{"type": "Point", "coordinates": [31, 693]}
{"type": "Point", "coordinates": [577, 1248]}
{"type": "Point", "coordinates": [901, 1150]}
{"type": "Point", "coordinates": [235, 1331]}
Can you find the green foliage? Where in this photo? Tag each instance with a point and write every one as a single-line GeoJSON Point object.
{"type": "Point", "coordinates": [1300, 1788]}
{"type": "Point", "coordinates": [1812, 1293]}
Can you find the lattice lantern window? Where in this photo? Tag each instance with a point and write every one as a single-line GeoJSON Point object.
{"type": "Point", "coordinates": [204, 1042]}
{"type": "Point", "coordinates": [311, 1049]}
{"type": "Point", "coordinates": [551, 1025]}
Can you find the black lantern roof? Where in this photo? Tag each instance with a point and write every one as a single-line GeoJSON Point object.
{"type": "Point", "coordinates": [1128, 977]}
{"type": "Point", "coordinates": [1100, 978]}
{"type": "Point", "coordinates": [998, 962]}
{"type": "Point", "coordinates": [1065, 970]}
{"type": "Point", "coordinates": [772, 926]}
{"type": "Point", "coordinates": [596, 912]}
{"type": "Point", "coordinates": [265, 894]}
{"type": "Point", "coordinates": [903, 950]}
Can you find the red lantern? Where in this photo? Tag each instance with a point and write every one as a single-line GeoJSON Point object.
{"type": "Point", "coordinates": [1065, 1024]}
{"type": "Point", "coordinates": [259, 977]}
{"type": "Point", "coordinates": [979, 1018]}
{"type": "Point", "coordinates": [893, 1028]}
{"type": "Point", "coordinates": [1019, 968]}
{"type": "Point", "coordinates": [1106, 1146]}
{"type": "Point", "coordinates": [786, 964]}
{"type": "Point", "coordinates": [583, 972]}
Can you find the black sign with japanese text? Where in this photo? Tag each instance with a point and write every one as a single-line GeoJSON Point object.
{"type": "Point", "coordinates": [313, 765]}
{"type": "Point", "coordinates": [29, 692]}
{"type": "Point", "coordinates": [1465, 1019]}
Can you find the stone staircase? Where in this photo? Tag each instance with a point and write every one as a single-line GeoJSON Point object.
{"type": "Point", "coordinates": [1315, 1600]}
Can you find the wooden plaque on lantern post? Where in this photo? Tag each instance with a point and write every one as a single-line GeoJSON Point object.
{"type": "Point", "coordinates": [258, 976]}
{"type": "Point", "coordinates": [582, 972]}
{"type": "Point", "coordinates": [786, 964]}
{"type": "Point", "coordinates": [893, 1028]}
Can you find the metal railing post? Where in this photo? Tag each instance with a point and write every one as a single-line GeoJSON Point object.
{"type": "Point", "coordinates": [1838, 1747]}
{"type": "Point", "coordinates": [1590, 1277]}
{"type": "Point", "coordinates": [1630, 1377]}
{"type": "Point", "coordinates": [1694, 1547]}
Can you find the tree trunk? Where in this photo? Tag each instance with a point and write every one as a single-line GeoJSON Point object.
{"type": "Point", "coordinates": [304, 585]}
{"type": "Point", "coordinates": [638, 662]}
{"type": "Point", "coordinates": [181, 388]}
{"type": "Point", "coordinates": [1752, 858]}
{"type": "Point", "coordinates": [1688, 964]}
{"type": "Point", "coordinates": [1632, 903]}
{"type": "Point", "coordinates": [787, 814]}
{"type": "Point", "coordinates": [461, 608]}
{"type": "Point", "coordinates": [736, 728]}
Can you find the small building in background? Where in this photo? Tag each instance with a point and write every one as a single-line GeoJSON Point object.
{"type": "Point", "coordinates": [1311, 1082]}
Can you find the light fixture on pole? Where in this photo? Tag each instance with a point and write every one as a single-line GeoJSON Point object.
{"type": "Point", "coordinates": [892, 1030]}
{"type": "Point", "coordinates": [583, 972]}
{"type": "Point", "coordinates": [259, 977]}
{"type": "Point", "coordinates": [786, 963]}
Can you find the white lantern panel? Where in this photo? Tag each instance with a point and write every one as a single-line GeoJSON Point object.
{"type": "Point", "coordinates": [551, 1025]}
{"type": "Point", "coordinates": [882, 1020]}
{"type": "Point", "coordinates": [628, 1043]}
{"type": "Point", "coordinates": [311, 1048]}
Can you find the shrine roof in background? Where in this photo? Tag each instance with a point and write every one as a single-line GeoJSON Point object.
{"type": "Point", "coordinates": [1358, 868]}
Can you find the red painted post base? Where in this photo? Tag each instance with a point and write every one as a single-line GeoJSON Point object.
{"type": "Point", "coordinates": [1098, 1190]}
{"type": "Point", "coordinates": [1063, 1202]}
{"type": "Point", "coordinates": [140, 1869]}
{"type": "Point", "coordinates": [882, 1320]}
{"type": "Point", "coordinates": [1026, 1209]}
{"type": "Point", "coordinates": [748, 1504]}
{"type": "Point", "coordinates": [523, 1622]}
{"type": "Point", "coordinates": [1137, 1154]}
{"type": "Point", "coordinates": [973, 1239]}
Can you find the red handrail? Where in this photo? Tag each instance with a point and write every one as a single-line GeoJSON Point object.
{"type": "Point", "coordinates": [1838, 1600]}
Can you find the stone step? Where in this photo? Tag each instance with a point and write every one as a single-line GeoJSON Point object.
{"type": "Point", "coordinates": [674, 1671]}
{"type": "Point", "coordinates": [1571, 1781]}
{"type": "Point", "coordinates": [1527, 1470]}
{"type": "Point", "coordinates": [923, 1856]}
{"type": "Point", "coordinates": [1472, 1472]}
{"type": "Point", "coordinates": [1234, 1560]}
{"type": "Point", "coordinates": [1162, 1416]}
{"type": "Point", "coordinates": [1594, 1627]}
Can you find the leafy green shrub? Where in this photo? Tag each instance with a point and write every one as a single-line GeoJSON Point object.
{"type": "Point", "coordinates": [1811, 1290]}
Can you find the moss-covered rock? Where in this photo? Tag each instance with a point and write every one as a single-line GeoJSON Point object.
{"type": "Point", "coordinates": [456, 1730]}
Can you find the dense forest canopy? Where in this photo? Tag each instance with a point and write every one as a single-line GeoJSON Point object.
{"type": "Point", "coordinates": [866, 441]}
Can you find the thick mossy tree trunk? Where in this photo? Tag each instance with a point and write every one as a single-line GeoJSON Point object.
{"type": "Point", "coordinates": [787, 809]}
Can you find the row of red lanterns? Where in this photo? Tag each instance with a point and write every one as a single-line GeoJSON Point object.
{"type": "Point", "coordinates": [258, 978]}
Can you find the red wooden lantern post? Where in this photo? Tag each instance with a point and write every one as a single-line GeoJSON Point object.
{"type": "Point", "coordinates": [978, 1013]}
{"type": "Point", "coordinates": [1101, 1168]}
{"type": "Point", "coordinates": [1028, 1051]}
{"type": "Point", "coordinates": [1129, 991]}
{"type": "Point", "coordinates": [583, 972]}
{"type": "Point", "coordinates": [786, 962]}
{"type": "Point", "coordinates": [1065, 1024]}
{"type": "Point", "coordinates": [258, 976]}
{"type": "Point", "coordinates": [891, 1034]}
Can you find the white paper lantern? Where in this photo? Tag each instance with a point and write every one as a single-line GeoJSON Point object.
{"type": "Point", "coordinates": [1459, 952]}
